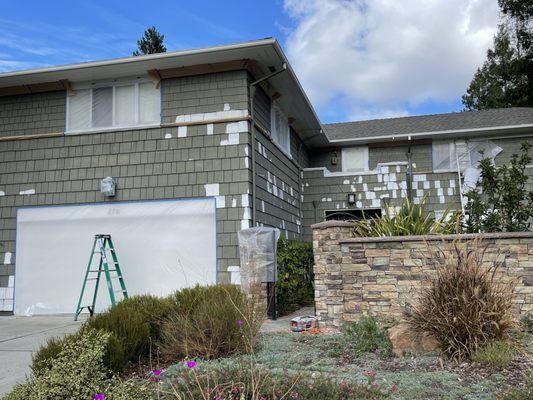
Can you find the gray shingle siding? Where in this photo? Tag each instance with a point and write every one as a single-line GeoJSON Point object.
{"type": "Point", "coordinates": [68, 169]}
{"type": "Point", "coordinates": [29, 114]}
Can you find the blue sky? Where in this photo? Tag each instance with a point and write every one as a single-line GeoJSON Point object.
{"type": "Point", "coordinates": [356, 59]}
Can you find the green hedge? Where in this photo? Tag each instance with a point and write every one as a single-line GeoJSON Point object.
{"type": "Point", "coordinates": [295, 275]}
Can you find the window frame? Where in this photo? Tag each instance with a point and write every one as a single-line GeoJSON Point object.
{"type": "Point", "coordinates": [113, 84]}
{"type": "Point", "coordinates": [366, 166]}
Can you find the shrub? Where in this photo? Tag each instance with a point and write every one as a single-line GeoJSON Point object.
{"type": "Point", "coordinates": [367, 336]}
{"type": "Point", "coordinates": [210, 322]}
{"type": "Point", "coordinates": [410, 219]}
{"type": "Point", "coordinates": [498, 354]}
{"type": "Point", "coordinates": [524, 392]}
{"type": "Point", "coordinates": [77, 372]}
{"type": "Point", "coordinates": [45, 356]}
{"type": "Point", "coordinates": [466, 306]}
{"type": "Point", "coordinates": [526, 323]}
{"type": "Point", "coordinates": [295, 275]}
{"type": "Point", "coordinates": [135, 322]}
{"type": "Point", "coordinates": [504, 204]}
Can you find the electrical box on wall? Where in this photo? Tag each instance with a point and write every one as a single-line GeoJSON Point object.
{"type": "Point", "coordinates": [108, 186]}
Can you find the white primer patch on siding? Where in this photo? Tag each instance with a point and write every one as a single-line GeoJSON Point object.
{"type": "Point", "coordinates": [199, 117]}
{"type": "Point", "coordinates": [27, 192]}
{"type": "Point", "coordinates": [237, 127]}
{"type": "Point", "coordinates": [263, 205]}
{"type": "Point", "coordinates": [346, 182]}
{"type": "Point", "coordinates": [182, 131]}
{"type": "Point", "coordinates": [245, 200]}
{"type": "Point", "coordinates": [451, 191]}
{"type": "Point", "coordinates": [420, 193]}
{"type": "Point", "coordinates": [168, 136]}
{"type": "Point", "coordinates": [212, 189]}
{"type": "Point", "coordinates": [437, 184]}
{"type": "Point", "coordinates": [233, 138]}
{"type": "Point", "coordinates": [7, 257]}
{"type": "Point", "coordinates": [2, 193]}
{"type": "Point", "coordinates": [227, 107]}
{"type": "Point", "coordinates": [221, 201]}
{"type": "Point", "coordinates": [210, 129]}
{"type": "Point", "coordinates": [419, 178]}
{"type": "Point", "coordinates": [426, 185]}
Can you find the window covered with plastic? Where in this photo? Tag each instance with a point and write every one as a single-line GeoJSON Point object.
{"type": "Point", "coordinates": [117, 105]}
{"type": "Point", "coordinates": [280, 129]}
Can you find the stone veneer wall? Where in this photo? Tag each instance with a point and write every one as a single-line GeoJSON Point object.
{"type": "Point", "coordinates": [380, 276]}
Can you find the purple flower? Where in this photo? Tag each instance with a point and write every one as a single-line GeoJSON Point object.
{"type": "Point", "coordinates": [99, 396]}
{"type": "Point", "coordinates": [240, 322]}
{"type": "Point", "coordinates": [191, 364]}
{"type": "Point", "coordinates": [357, 307]}
{"type": "Point", "coordinates": [156, 372]}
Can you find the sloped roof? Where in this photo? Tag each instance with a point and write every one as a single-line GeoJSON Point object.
{"type": "Point", "coordinates": [429, 125]}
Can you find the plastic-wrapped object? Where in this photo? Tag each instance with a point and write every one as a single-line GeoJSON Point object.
{"type": "Point", "coordinates": [257, 248]}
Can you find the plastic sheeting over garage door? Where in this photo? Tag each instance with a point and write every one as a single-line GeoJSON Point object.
{"type": "Point", "coordinates": [162, 246]}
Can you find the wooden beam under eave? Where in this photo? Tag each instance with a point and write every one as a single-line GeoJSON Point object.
{"type": "Point", "coordinates": [155, 76]}
{"type": "Point", "coordinates": [32, 88]}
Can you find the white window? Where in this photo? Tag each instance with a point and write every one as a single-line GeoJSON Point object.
{"type": "Point", "coordinates": [446, 154]}
{"type": "Point", "coordinates": [279, 128]}
{"type": "Point", "coordinates": [117, 105]}
{"type": "Point", "coordinates": [355, 159]}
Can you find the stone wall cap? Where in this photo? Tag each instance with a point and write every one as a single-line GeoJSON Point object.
{"type": "Point", "coordinates": [332, 224]}
{"type": "Point", "coordinates": [423, 238]}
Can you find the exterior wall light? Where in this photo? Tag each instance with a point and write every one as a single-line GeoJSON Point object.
{"type": "Point", "coordinates": [351, 198]}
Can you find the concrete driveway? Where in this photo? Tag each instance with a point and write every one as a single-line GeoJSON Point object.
{"type": "Point", "coordinates": [20, 337]}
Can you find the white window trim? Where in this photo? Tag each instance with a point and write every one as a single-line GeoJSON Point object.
{"type": "Point", "coordinates": [287, 152]}
{"type": "Point", "coordinates": [366, 167]}
{"type": "Point", "coordinates": [127, 82]}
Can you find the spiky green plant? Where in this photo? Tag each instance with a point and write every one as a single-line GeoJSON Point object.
{"type": "Point", "coordinates": [409, 219]}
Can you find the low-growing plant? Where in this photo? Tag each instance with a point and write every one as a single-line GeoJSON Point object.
{"type": "Point", "coordinates": [367, 336]}
{"type": "Point", "coordinates": [498, 354]}
{"type": "Point", "coordinates": [238, 381]}
{"type": "Point", "coordinates": [409, 219]}
{"type": "Point", "coordinates": [467, 305]}
{"type": "Point", "coordinates": [524, 392]}
{"type": "Point", "coordinates": [210, 322]}
{"type": "Point", "coordinates": [294, 286]}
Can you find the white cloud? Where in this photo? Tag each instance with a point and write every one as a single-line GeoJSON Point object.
{"type": "Point", "coordinates": [381, 57]}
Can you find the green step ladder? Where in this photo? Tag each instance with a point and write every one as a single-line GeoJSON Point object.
{"type": "Point", "coordinates": [102, 245]}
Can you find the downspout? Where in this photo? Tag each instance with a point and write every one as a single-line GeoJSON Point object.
{"type": "Point", "coordinates": [253, 88]}
{"type": "Point", "coordinates": [409, 174]}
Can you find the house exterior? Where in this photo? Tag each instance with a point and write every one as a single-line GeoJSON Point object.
{"type": "Point", "coordinates": [227, 128]}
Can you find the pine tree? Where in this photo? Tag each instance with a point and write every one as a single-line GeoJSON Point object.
{"type": "Point", "coordinates": [151, 42]}
{"type": "Point", "coordinates": [506, 77]}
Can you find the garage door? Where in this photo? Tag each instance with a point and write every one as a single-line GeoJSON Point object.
{"type": "Point", "coordinates": [162, 246]}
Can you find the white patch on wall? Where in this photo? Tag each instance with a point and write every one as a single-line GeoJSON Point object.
{"type": "Point", "coordinates": [292, 191]}
{"type": "Point", "coordinates": [365, 187]}
{"type": "Point", "coordinates": [403, 185]}
{"type": "Point", "coordinates": [210, 129]}
{"type": "Point", "coordinates": [7, 257]}
{"type": "Point", "coordinates": [246, 162]}
{"type": "Point", "coordinates": [416, 200]}
{"type": "Point", "coordinates": [386, 178]}
{"type": "Point", "coordinates": [306, 184]}
{"type": "Point", "coordinates": [398, 169]}
{"type": "Point", "coordinates": [394, 194]}
{"type": "Point", "coordinates": [437, 184]}
{"type": "Point", "coordinates": [384, 169]}
{"type": "Point", "coordinates": [221, 201]}
{"type": "Point", "coordinates": [380, 178]}
{"type": "Point", "coordinates": [392, 177]}
{"type": "Point", "coordinates": [384, 196]}
{"type": "Point", "coordinates": [442, 199]}
{"type": "Point", "coordinates": [275, 190]}
{"type": "Point", "coordinates": [2, 193]}
{"type": "Point", "coordinates": [451, 191]}
{"type": "Point", "coordinates": [419, 178]}
{"type": "Point", "coordinates": [233, 138]}
{"type": "Point", "coordinates": [227, 107]}
{"type": "Point", "coordinates": [452, 183]}
{"type": "Point", "coordinates": [182, 131]}
{"type": "Point", "coordinates": [263, 205]}
{"type": "Point", "coordinates": [234, 202]}
{"type": "Point", "coordinates": [359, 204]}
{"type": "Point", "coordinates": [360, 179]}
{"type": "Point", "coordinates": [392, 186]}
{"type": "Point", "coordinates": [212, 189]}
{"type": "Point", "coordinates": [376, 203]}
{"type": "Point", "coordinates": [237, 127]}
{"type": "Point", "coordinates": [414, 165]}
{"type": "Point", "coordinates": [440, 192]}
{"type": "Point", "coordinates": [235, 274]}
{"type": "Point", "coordinates": [426, 185]}
{"type": "Point", "coordinates": [245, 224]}
{"type": "Point", "coordinates": [346, 182]}
{"type": "Point", "coordinates": [27, 192]}
{"type": "Point", "coordinates": [420, 193]}
{"type": "Point", "coordinates": [168, 136]}
{"type": "Point", "coordinates": [245, 200]}
{"type": "Point", "coordinates": [200, 117]}
{"type": "Point", "coordinates": [414, 185]}
{"type": "Point", "coordinates": [370, 195]}
{"type": "Point", "coordinates": [352, 188]}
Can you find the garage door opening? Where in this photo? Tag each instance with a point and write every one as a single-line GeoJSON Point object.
{"type": "Point", "coordinates": [162, 246]}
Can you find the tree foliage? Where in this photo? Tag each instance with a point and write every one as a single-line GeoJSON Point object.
{"type": "Point", "coordinates": [151, 42]}
{"type": "Point", "coordinates": [501, 203]}
{"type": "Point", "coordinates": [506, 77]}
